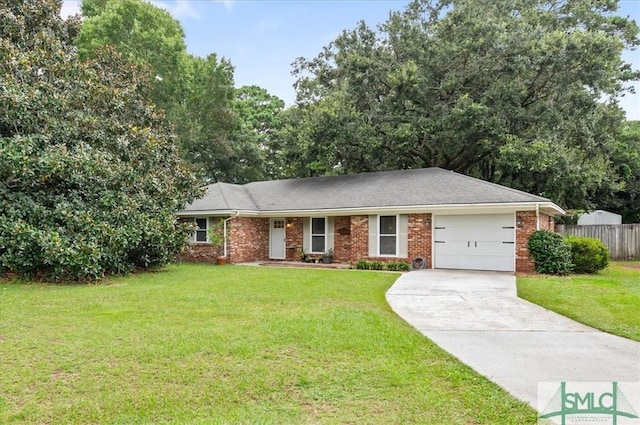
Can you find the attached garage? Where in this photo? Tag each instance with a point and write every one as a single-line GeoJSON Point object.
{"type": "Point", "coordinates": [474, 242]}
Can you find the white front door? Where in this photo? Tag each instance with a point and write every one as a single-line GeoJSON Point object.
{"type": "Point", "coordinates": [277, 238]}
{"type": "Point", "coordinates": [474, 242]}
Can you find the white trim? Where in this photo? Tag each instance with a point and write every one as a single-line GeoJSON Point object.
{"type": "Point", "coordinates": [449, 209]}
{"type": "Point", "coordinates": [397, 235]}
{"type": "Point", "coordinates": [311, 235]}
{"type": "Point", "coordinates": [195, 233]}
{"type": "Point", "coordinates": [515, 242]}
{"type": "Point", "coordinates": [224, 229]}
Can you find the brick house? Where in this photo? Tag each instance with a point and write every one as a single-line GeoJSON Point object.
{"type": "Point", "coordinates": [448, 219]}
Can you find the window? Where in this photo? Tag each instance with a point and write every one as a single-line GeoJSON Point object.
{"type": "Point", "coordinates": [201, 230]}
{"type": "Point", "coordinates": [388, 235]}
{"type": "Point", "coordinates": [318, 234]}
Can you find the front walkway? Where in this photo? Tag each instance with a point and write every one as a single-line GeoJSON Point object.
{"type": "Point", "coordinates": [477, 317]}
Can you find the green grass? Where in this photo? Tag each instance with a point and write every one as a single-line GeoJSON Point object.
{"type": "Point", "coordinates": [608, 300]}
{"type": "Point", "coordinates": [206, 345]}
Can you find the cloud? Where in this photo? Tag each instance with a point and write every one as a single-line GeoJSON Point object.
{"type": "Point", "coordinates": [228, 4]}
{"type": "Point", "coordinates": [70, 7]}
{"type": "Point", "coordinates": [178, 9]}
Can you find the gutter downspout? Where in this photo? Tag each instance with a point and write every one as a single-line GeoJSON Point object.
{"type": "Point", "coordinates": [537, 216]}
{"type": "Point", "coordinates": [224, 229]}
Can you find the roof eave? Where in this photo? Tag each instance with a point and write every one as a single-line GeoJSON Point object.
{"type": "Point", "coordinates": [200, 213]}
{"type": "Point", "coordinates": [547, 207]}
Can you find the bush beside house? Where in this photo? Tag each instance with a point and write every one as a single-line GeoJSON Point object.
{"type": "Point", "coordinates": [588, 254]}
{"type": "Point", "coordinates": [90, 174]}
{"type": "Point", "coordinates": [551, 253]}
{"type": "Point", "coordinates": [555, 254]}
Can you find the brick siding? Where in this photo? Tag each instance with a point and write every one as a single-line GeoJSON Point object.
{"type": "Point", "coordinates": [199, 253]}
{"type": "Point", "coordinates": [248, 239]}
{"type": "Point", "coordinates": [524, 262]}
{"type": "Point", "coordinates": [419, 237]}
{"type": "Point", "coordinates": [359, 230]}
{"type": "Point", "coordinates": [293, 231]}
{"type": "Point", "coordinates": [342, 239]}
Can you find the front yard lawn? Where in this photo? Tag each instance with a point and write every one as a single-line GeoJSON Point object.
{"type": "Point", "coordinates": [197, 344]}
{"type": "Point", "coordinates": [608, 300]}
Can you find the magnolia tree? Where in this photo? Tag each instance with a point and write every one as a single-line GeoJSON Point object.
{"type": "Point", "coordinates": [90, 178]}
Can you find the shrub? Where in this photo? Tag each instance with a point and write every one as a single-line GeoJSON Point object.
{"type": "Point", "coordinates": [362, 265]}
{"type": "Point", "coordinates": [90, 173]}
{"type": "Point", "coordinates": [588, 254]}
{"type": "Point", "coordinates": [393, 266]}
{"type": "Point", "coordinates": [551, 253]}
{"type": "Point", "coordinates": [376, 265]}
{"type": "Point", "coordinates": [398, 266]}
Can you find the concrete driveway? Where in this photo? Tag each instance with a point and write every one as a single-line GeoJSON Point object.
{"type": "Point", "coordinates": [477, 317]}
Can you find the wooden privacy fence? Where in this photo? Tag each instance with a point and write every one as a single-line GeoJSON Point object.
{"type": "Point", "coordinates": [623, 240]}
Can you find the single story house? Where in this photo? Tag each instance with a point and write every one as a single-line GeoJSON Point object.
{"type": "Point", "coordinates": [450, 220]}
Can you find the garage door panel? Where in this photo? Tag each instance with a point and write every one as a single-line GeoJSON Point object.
{"type": "Point", "coordinates": [451, 247]}
{"type": "Point", "coordinates": [490, 234]}
{"type": "Point", "coordinates": [493, 262]}
{"type": "Point", "coordinates": [494, 248]}
{"type": "Point", "coordinates": [475, 242]}
{"type": "Point", "coordinates": [452, 261]}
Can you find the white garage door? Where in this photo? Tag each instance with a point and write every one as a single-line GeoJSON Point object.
{"type": "Point", "coordinates": [474, 242]}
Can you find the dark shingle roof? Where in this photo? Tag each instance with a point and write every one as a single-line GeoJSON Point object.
{"type": "Point", "coordinates": [419, 187]}
{"type": "Point", "coordinates": [224, 197]}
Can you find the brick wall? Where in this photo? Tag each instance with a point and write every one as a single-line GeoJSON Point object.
{"type": "Point", "coordinates": [248, 239]}
{"type": "Point", "coordinates": [359, 233]}
{"type": "Point", "coordinates": [294, 241]}
{"type": "Point", "coordinates": [342, 239]}
{"type": "Point", "coordinates": [524, 262]}
{"type": "Point", "coordinates": [199, 253]}
{"type": "Point", "coordinates": [419, 237]}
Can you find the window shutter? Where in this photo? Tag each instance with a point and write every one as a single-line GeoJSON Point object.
{"type": "Point", "coordinates": [373, 236]}
{"type": "Point", "coordinates": [403, 230]}
{"type": "Point", "coordinates": [306, 234]}
{"type": "Point", "coordinates": [330, 229]}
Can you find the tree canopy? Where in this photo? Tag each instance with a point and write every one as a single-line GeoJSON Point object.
{"type": "Point", "coordinates": [260, 115]}
{"type": "Point", "coordinates": [625, 162]}
{"type": "Point", "coordinates": [197, 94]}
{"type": "Point", "coordinates": [145, 35]}
{"type": "Point", "coordinates": [90, 176]}
{"type": "Point", "coordinates": [519, 92]}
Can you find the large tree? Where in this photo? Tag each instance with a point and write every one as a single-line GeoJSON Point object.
{"type": "Point", "coordinates": [260, 117]}
{"type": "Point", "coordinates": [144, 34]}
{"type": "Point", "coordinates": [91, 8]}
{"type": "Point", "coordinates": [626, 164]}
{"type": "Point", "coordinates": [205, 120]}
{"type": "Point", "coordinates": [90, 177]}
{"type": "Point", "coordinates": [521, 92]}
{"type": "Point", "coordinates": [196, 94]}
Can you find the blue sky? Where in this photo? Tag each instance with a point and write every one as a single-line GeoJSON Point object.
{"type": "Point", "coordinates": [262, 38]}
